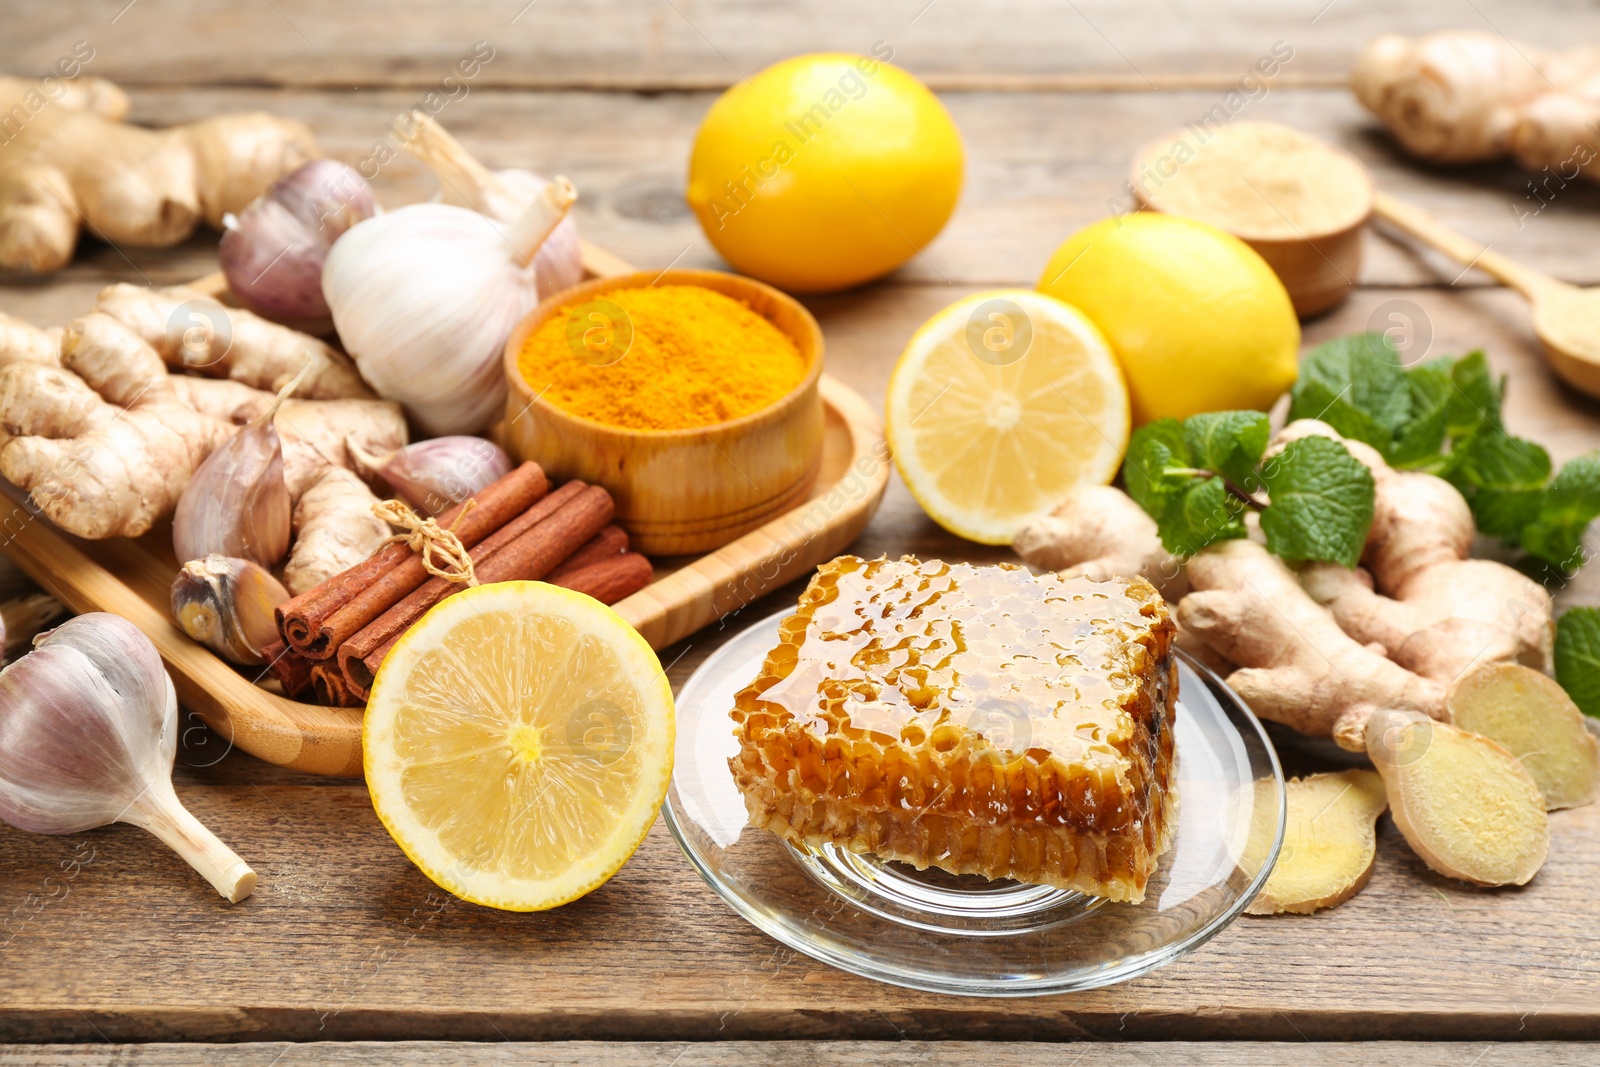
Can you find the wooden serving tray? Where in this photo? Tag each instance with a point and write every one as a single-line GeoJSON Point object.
{"type": "Point", "coordinates": [133, 578]}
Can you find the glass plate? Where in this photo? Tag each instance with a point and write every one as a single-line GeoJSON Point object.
{"type": "Point", "coordinates": [966, 934]}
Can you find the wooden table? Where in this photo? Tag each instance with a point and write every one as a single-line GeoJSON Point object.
{"type": "Point", "coordinates": [106, 938]}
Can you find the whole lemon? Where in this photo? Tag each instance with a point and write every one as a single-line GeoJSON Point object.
{"type": "Point", "coordinates": [825, 171]}
{"type": "Point", "coordinates": [1196, 317]}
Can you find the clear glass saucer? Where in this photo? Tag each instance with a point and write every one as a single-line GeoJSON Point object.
{"type": "Point", "coordinates": [965, 934]}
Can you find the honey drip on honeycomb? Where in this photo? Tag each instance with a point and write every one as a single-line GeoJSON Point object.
{"type": "Point", "coordinates": [978, 719]}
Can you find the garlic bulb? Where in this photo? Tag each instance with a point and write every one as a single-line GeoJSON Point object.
{"type": "Point", "coordinates": [88, 732]}
{"type": "Point", "coordinates": [425, 297]}
{"type": "Point", "coordinates": [237, 502]}
{"type": "Point", "coordinates": [227, 605]}
{"type": "Point", "coordinates": [272, 253]}
{"type": "Point", "coordinates": [435, 474]}
{"type": "Point", "coordinates": [500, 194]}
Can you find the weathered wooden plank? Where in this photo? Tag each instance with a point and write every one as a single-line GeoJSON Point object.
{"type": "Point", "coordinates": [712, 43]}
{"type": "Point", "coordinates": [1040, 165]}
{"type": "Point", "coordinates": [800, 1054]}
{"type": "Point", "coordinates": [344, 939]}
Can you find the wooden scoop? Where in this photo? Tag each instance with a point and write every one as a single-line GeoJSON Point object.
{"type": "Point", "coordinates": [1566, 318]}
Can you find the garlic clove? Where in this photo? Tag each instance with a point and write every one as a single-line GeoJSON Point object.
{"type": "Point", "coordinates": [237, 503]}
{"type": "Point", "coordinates": [227, 605]}
{"type": "Point", "coordinates": [435, 474]}
{"type": "Point", "coordinates": [272, 253]}
{"type": "Point", "coordinates": [88, 732]}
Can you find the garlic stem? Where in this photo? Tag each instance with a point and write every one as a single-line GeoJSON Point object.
{"type": "Point", "coordinates": [447, 158]}
{"type": "Point", "coordinates": [533, 226]}
{"type": "Point", "coordinates": [159, 812]}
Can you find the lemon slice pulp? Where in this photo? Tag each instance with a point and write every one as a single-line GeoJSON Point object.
{"type": "Point", "coordinates": [1000, 406]}
{"type": "Point", "coordinates": [518, 743]}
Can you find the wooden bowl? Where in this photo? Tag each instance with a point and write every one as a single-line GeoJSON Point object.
{"type": "Point", "coordinates": [1316, 254]}
{"type": "Point", "coordinates": [680, 491]}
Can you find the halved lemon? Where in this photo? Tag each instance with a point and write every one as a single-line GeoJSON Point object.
{"type": "Point", "coordinates": [1000, 406]}
{"type": "Point", "coordinates": [518, 743]}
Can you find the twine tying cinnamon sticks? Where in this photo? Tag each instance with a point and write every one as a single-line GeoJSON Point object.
{"type": "Point", "coordinates": [430, 541]}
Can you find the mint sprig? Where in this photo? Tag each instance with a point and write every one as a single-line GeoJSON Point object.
{"type": "Point", "coordinates": [1197, 478]}
{"type": "Point", "coordinates": [1578, 657]}
{"type": "Point", "coordinates": [1444, 417]}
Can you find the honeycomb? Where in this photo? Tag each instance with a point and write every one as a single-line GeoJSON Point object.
{"type": "Point", "coordinates": [981, 720]}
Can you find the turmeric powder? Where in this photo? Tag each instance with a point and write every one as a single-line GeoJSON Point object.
{"type": "Point", "coordinates": [668, 357]}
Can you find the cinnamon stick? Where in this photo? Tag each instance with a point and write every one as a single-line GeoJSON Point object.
{"type": "Point", "coordinates": [532, 554]}
{"type": "Point", "coordinates": [612, 541]}
{"type": "Point", "coordinates": [318, 621]}
{"type": "Point", "coordinates": [399, 617]}
{"type": "Point", "coordinates": [330, 688]}
{"type": "Point", "coordinates": [290, 668]}
{"type": "Point", "coordinates": [610, 580]}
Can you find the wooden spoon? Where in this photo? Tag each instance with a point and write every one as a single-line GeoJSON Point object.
{"type": "Point", "coordinates": [1566, 318]}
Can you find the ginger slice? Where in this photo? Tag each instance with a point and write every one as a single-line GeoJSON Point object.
{"type": "Point", "coordinates": [1463, 803]}
{"type": "Point", "coordinates": [1330, 842]}
{"type": "Point", "coordinates": [1532, 718]}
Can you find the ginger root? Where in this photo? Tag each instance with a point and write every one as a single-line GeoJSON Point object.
{"type": "Point", "coordinates": [1330, 842]}
{"type": "Point", "coordinates": [1100, 533]}
{"type": "Point", "coordinates": [101, 444]}
{"type": "Point", "coordinates": [334, 529]}
{"type": "Point", "coordinates": [97, 95]}
{"type": "Point", "coordinates": [106, 442]}
{"type": "Point", "coordinates": [1463, 803]}
{"type": "Point", "coordinates": [1466, 96]}
{"type": "Point", "coordinates": [315, 433]}
{"type": "Point", "coordinates": [1434, 611]}
{"type": "Point", "coordinates": [1297, 666]}
{"type": "Point", "coordinates": [23, 342]}
{"type": "Point", "coordinates": [65, 165]}
{"type": "Point", "coordinates": [1531, 716]}
{"type": "Point", "coordinates": [191, 331]}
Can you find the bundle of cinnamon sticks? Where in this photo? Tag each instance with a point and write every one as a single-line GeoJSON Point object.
{"type": "Point", "coordinates": [336, 635]}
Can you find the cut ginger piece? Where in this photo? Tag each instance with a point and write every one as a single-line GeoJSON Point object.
{"type": "Point", "coordinates": [1463, 803]}
{"type": "Point", "coordinates": [1330, 842]}
{"type": "Point", "coordinates": [1534, 719]}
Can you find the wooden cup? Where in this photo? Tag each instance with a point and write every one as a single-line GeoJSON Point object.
{"type": "Point", "coordinates": [680, 491]}
{"type": "Point", "coordinates": [1318, 265]}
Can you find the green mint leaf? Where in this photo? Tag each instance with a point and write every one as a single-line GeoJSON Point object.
{"type": "Point", "coordinates": [1475, 397]}
{"type": "Point", "coordinates": [1555, 534]}
{"type": "Point", "coordinates": [1203, 514]}
{"type": "Point", "coordinates": [1229, 443]}
{"type": "Point", "coordinates": [1357, 386]}
{"type": "Point", "coordinates": [1321, 502]}
{"type": "Point", "coordinates": [1506, 513]}
{"type": "Point", "coordinates": [1578, 657]}
{"type": "Point", "coordinates": [1493, 459]}
{"type": "Point", "coordinates": [1420, 440]}
{"type": "Point", "coordinates": [1154, 448]}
